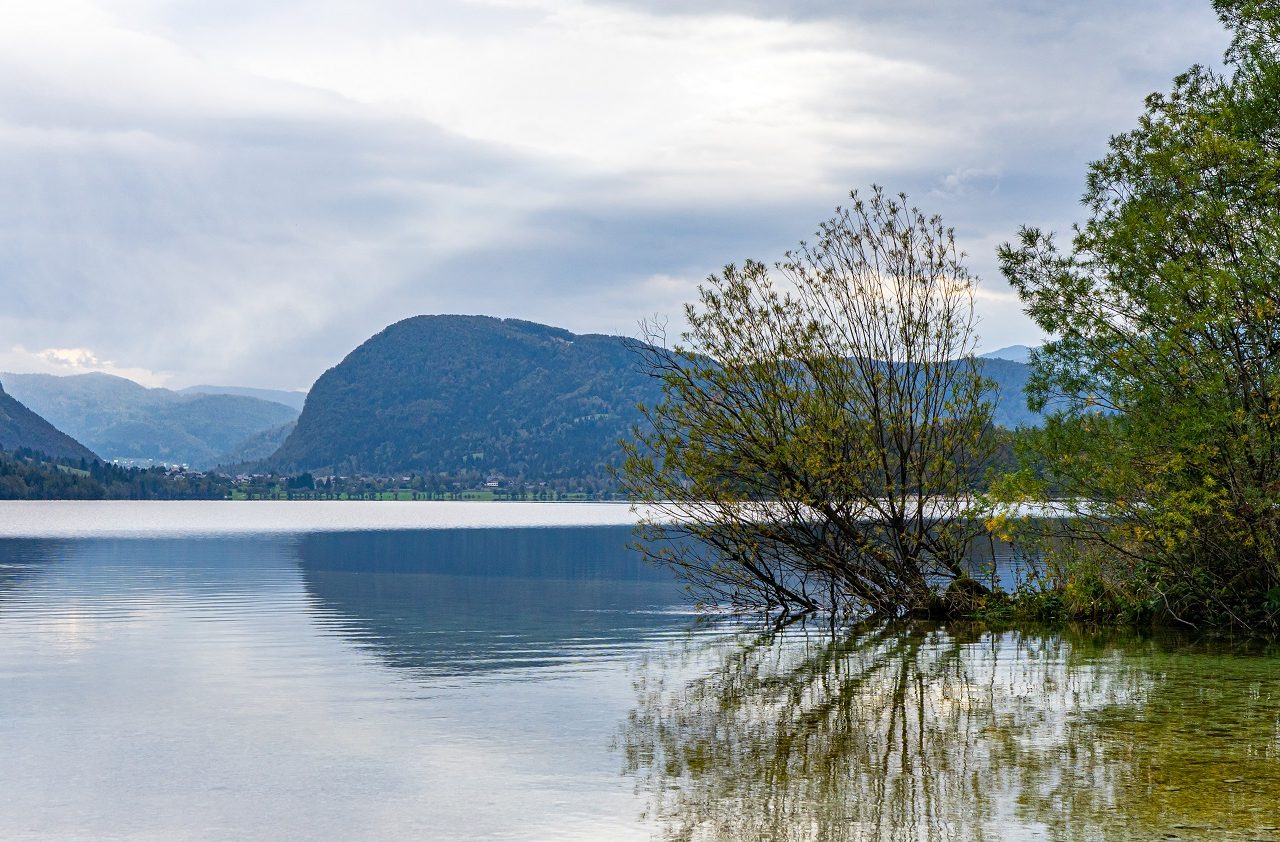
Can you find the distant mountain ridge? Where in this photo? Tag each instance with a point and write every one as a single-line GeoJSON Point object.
{"type": "Point", "coordinates": [453, 394]}
{"type": "Point", "coordinates": [434, 395]}
{"type": "Point", "coordinates": [1010, 378]}
{"type": "Point", "coordinates": [258, 446]}
{"type": "Point", "coordinates": [1013, 353]}
{"type": "Point", "coordinates": [120, 419]}
{"type": "Point", "coordinates": [292, 399]}
{"type": "Point", "coordinates": [20, 427]}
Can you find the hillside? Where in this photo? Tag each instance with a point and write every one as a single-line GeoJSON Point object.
{"type": "Point", "coordinates": [455, 394]}
{"type": "Point", "coordinates": [480, 395]}
{"type": "Point", "coordinates": [293, 400]}
{"type": "Point", "coordinates": [120, 419]}
{"type": "Point", "coordinates": [1013, 353]}
{"type": "Point", "coordinates": [257, 446]}
{"type": "Point", "coordinates": [1011, 399]}
{"type": "Point", "coordinates": [22, 428]}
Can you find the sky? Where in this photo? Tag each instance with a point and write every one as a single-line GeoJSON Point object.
{"type": "Point", "coordinates": [243, 192]}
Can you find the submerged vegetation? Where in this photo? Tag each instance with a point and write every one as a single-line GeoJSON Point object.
{"type": "Point", "coordinates": [827, 440]}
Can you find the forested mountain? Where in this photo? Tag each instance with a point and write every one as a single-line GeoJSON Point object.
{"type": "Point", "coordinates": [22, 428]}
{"type": "Point", "coordinates": [480, 395]}
{"type": "Point", "coordinates": [258, 446]}
{"type": "Point", "coordinates": [1011, 399]}
{"type": "Point", "coordinates": [120, 419]}
{"type": "Point", "coordinates": [456, 394]}
{"type": "Point", "coordinates": [292, 399]}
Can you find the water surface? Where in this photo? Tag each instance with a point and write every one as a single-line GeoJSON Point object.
{"type": "Point", "coordinates": [489, 671]}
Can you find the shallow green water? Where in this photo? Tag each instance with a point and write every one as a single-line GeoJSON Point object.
{"type": "Point", "coordinates": [926, 732]}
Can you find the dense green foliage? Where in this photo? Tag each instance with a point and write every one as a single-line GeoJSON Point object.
{"type": "Point", "coordinates": [820, 441]}
{"type": "Point", "coordinates": [1164, 380]}
{"type": "Point", "coordinates": [20, 427]}
{"type": "Point", "coordinates": [26, 474]}
{"type": "Point", "coordinates": [119, 419]}
{"type": "Point", "coordinates": [457, 394]}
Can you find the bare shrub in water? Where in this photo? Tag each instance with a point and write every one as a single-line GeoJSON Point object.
{"type": "Point", "coordinates": [822, 424]}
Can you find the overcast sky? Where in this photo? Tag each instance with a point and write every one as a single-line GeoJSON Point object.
{"type": "Point", "coordinates": [240, 192]}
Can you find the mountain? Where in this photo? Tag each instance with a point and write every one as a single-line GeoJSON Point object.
{"type": "Point", "coordinates": [257, 446]}
{"type": "Point", "coordinates": [456, 394]}
{"type": "Point", "coordinates": [452, 394]}
{"type": "Point", "coordinates": [1010, 378]}
{"type": "Point", "coordinates": [291, 399]}
{"type": "Point", "coordinates": [1013, 353]}
{"type": "Point", "coordinates": [20, 427]}
{"type": "Point", "coordinates": [120, 419]}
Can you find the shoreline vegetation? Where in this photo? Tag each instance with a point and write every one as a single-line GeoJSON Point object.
{"type": "Point", "coordinates": [1048, 589]}
{"type": "Point", "coordinates": [838, 384]}
{"type": "Point", "coordinates": [26, 474]}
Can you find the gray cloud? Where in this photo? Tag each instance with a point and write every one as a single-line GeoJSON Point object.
{"type": "Point", "coordinates": [243, 192]}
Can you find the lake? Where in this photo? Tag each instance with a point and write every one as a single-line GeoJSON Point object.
{"type": "Point", "coordinates": [351, 670]}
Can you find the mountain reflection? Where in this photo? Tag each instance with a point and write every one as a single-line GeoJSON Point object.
{"type": "Point", "coordinates": [922, 732]}
{"type": "Point", "coordinates": [25, 560]}
{"type": "Point", "coordinates": [465, 601]}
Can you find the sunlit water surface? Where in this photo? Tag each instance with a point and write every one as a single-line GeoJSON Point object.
{"type": "Point", "coordinates": [494, 671]}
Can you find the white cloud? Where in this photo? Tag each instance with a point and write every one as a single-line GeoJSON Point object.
{"type": "Point", "coordinates": [719, 102]}
{"type": "Point", "coordinates": [242, 192]}
{"type": "Point", "coordinates": [81, 358]}
{"type": "Point", "coordinates": [64, 361]}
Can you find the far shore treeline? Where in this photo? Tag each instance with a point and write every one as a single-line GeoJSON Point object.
{"type": "Point", "coordinates": [822, 438]}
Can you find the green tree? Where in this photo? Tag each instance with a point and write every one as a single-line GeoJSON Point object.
{"type": "Point", "coordinates": [817, 439]}
{"type": "Point", "coordinates": [1164, 378]}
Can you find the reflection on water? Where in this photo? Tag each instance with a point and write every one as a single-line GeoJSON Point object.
{"type": "Point", "coordinates": [20, 561]}
{"type": "Point", "coordinates": [451, 685]}
{"type": "Point", "coordinates": [468, 601]}
{"type": "Point", "coordinates": [462, 684]}
{"type": "Point", "coordinates": [926, 733]}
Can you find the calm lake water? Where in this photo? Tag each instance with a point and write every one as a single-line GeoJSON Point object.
{"type": "Point", "coordinates": [512, 671]}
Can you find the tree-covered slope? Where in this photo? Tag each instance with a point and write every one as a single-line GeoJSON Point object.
{"type": "Point", "coordinates": [292, 399]}
{"type": "Point", "coordinates": [1010, 378]}
{"type": "Point", "coordinates": [257, 446]}
{"type": "Point", "coordinates": [120, 419]}
{"type": "Point", "coordinates": [22, 428]}
{"type": "Point", "coordinates": [458, 394]}
{"type": "Point", "coordinates": [454, 394]}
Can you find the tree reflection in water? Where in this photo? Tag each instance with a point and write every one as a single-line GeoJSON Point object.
{"type": "Point", "coordinates": [922, 732]}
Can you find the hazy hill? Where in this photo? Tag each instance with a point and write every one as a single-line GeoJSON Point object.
{"type": "Point", "coordinates": [293, 399]}
{"type": "Point", "coordinates": [257, 446]}
{"type": "Point", "coordinates": [120, 419]}
{"type": "Point", "coordinates": [20, 427]}
{"type": "Point", "coordinates": [1013, 353]}
{"type": "Point", "coordinates": [1011, 383]}
{"type": "Point", "coordinates": [447, 394]}
{"type": "Point", "coordinates": [471, 393]}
